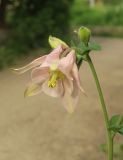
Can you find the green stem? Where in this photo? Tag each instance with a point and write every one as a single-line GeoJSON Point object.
{"type": "Point", "coordinates": [104, 110]}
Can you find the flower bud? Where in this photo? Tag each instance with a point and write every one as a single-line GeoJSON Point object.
{"type": "Point", "coordinates": [84, 34]}
{"type": "Point", "coordinates": [55, 42]}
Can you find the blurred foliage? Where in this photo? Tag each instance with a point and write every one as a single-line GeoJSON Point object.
{"type": "Point", "coordinates": [114, 2]}
{"type": "Point", "coordinates": [33, 20]}
{"type": "Point", "coordinates": [30, 22]}
{"type": "Point", "coordinates": [106, 14]}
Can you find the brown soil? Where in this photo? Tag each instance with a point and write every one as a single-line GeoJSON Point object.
{"type": "Point", "coordinates": [38, 128]}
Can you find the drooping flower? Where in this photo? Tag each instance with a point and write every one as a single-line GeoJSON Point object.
{"type": "Point", "coordinates": [56, 76]}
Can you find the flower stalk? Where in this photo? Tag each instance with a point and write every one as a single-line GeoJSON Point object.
{"type": "Point", "coordinates": [104, 109]}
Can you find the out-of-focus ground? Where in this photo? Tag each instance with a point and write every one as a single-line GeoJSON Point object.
{"type": "Point", "coordinates": [38, 128]}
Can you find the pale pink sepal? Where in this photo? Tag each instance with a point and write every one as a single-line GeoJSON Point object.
{"type": "Point", "coordinates": [53, 57]}
{"type": "Point", "coordinates": [75, 73]}
{"type": "Point", "coordinates": [40, 73]}
{"type": "Point", "coordinates": [31, 65]}
{"type": "Point", "coordinates": [66, 64]}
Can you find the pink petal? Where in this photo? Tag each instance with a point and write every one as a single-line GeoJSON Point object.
{"type": "Point", "coordinates": [75, 73]}
{"type": "Point", "coordinates": [70, 100]}
{"type": "Point", "coordinates": [68, 85]}
{"type": "Point", "coordinates": [75, 93]}
{"type": "Point", "coordinates": [57, 91]}
{"type": "Point", "coordinates": [40, 73]}
{"type": "Point", "coordinates": [31, 65]}
{"type": "Point", "coordinates": [53, 56]}
{"type": "Point", "coordinates": [66, 63]}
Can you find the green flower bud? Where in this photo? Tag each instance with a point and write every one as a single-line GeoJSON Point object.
{"type": "Point", "coordinates": [55, 42]}
{"type": "Point", "coordinates": [84, 34]}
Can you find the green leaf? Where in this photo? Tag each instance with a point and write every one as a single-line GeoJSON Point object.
{"type": "Point", "coordinates": [82, 45]}
{"type": "Point", "coordinates": [116, 124]}
{"type": "Point", "coordinates": [91, 46]}
{"type": "Point", "coordinates": [85, 49]}
{"type": "Point", "coordinates": [94, 46]}
{"type": "Point", "coordinates": [114, 119]}
{"type": "Point", "coordinates": [121, 131]}
{"type": "Point", "coordinates": [116, 127]}
{"type": "Point", "coordinates": [80, 48]}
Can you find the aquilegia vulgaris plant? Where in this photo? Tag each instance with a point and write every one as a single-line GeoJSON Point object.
{"type": "Point", "coordinates": [57, 75]}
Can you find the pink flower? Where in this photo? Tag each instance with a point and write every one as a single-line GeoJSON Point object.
{"type": "Point", "coordinates": [56, 76]}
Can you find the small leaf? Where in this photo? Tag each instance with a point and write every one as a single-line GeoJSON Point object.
{"type": "Point", "coordinates": [114, 119]}
{"type": "Point", "coordinates": [116, 124]}
{"type": "Point", "coordinates": [83, 47]}
{"type": "Point", "coordinates": [116, 127]}
{"type": "Point", "coordinates": [121, 131]}
{"type": "Point", "coordinates": [94, 46]}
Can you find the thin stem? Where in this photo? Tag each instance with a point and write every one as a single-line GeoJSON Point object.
{"type": "Point", "coordinates": [104, 110]}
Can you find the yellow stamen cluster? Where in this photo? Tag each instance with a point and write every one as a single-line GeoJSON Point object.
{"type": "Point", "coordinates": [55, 75]}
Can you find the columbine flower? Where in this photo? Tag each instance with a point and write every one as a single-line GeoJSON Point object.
{"type": "Point", "coordinates": [56, 76]}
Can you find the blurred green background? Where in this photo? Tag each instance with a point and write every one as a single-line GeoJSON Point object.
{"type": "Point", "coordinates": [26, 24]}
